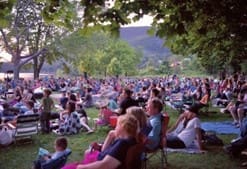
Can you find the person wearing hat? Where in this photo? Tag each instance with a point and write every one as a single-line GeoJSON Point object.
{"type": "Point", "coordinates": [186, 129]}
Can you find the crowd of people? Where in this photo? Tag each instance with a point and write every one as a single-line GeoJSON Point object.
{"type": "Point", "coordinates": [137, 102]}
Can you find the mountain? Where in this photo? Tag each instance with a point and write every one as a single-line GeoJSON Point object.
{"type": "Point", "coordinates": [152, 47]}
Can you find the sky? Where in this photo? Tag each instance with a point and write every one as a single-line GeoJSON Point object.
{"type": "Point", "coordinates": [145, 21]}
{"type": "Point", "coordinates": [4, 56]}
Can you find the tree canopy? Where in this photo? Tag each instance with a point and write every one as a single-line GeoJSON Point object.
{"type": "Point", "coordinates": [98, 54]}
{"type": "Point", "coordinates": [27, 35]}
{"type": "Point", "coordinates": [214, 31]}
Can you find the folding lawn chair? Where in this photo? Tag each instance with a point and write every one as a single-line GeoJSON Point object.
{"type": "Point", "coordinates": [26, 127]}
{"type": "Point", "coordinates": [148, 154]}
{"type": "Point", "coordinates": [57, 163]}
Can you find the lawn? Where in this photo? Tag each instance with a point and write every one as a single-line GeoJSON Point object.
{"type": "Point", "coordinates": [21, 156]}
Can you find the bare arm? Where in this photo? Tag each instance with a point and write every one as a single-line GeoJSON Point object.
{"type": "Point", "coordinates": [180, 118]}
{"type": "Point", "coordinates": [107, 163]}
{"type": "Point", "coordinates": [109, 139]}
{"type": "Point", "coordinates": [199, 138]}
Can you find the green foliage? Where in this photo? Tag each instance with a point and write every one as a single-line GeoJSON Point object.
{"type": "Point", "coordinates": [65, 70]}
{"type": "Point", "coordinates": [114, 67]}
{"type": "Point", "coordinates": [164, 68]}
{"type": "Point", "coordinates": [214, 31]}
{"type": "Point", "coordinates": [98, 53]}
{"type": "Point", "coordinates": [175, 64]}
{"type": "Point", "coordinates": [61, 13]}
{"type": "Point", "coordinates": [244, 66]}
{"type": "Point", "coordinates": [5, 12]}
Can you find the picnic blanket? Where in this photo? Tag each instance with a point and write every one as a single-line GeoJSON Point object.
{"type": "Point", "coordinates": [193, 149]}
{"type": "Point", "coordinates": [225, 127]}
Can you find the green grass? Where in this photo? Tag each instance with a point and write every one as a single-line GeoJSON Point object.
{"type": "Point", "coordinates": [21, 156]}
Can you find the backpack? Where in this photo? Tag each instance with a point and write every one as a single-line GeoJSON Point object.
{"type": "Point", "coordinates": [6, 137]}
{"type": "Point", "coordinates": [211, 139]}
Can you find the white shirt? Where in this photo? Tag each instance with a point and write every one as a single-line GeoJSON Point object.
{"type": "Point", "coordinates": [188, 134]}
{"type": "Point", "coordinates": [57, 154]}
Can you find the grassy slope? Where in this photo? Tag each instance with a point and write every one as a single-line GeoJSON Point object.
{"type": "Point", "coordinates": [21, 157]}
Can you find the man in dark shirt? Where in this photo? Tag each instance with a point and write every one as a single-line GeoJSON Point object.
{"type": "Point", "coordinates": [63, 100]}
{"type": "Point", "coordinates": [127, 101]}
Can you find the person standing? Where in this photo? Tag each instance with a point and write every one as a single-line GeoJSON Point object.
{"type": "Point", "coordinates": [46, 107]}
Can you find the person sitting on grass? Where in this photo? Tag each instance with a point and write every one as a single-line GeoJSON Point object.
{"type": "Point", "coordinates": [205, 98]}
{"type": "Point", "coordinates": [71, 124]}
{"type": "Point", "coordinates": [29, 105]}
{"type": "Point", "coordinates": [83, 117]}
{"type": "Point", "coordinates": [236, 146]}
{"type": "Point", "coordinates": [9, 113]}
{"type": "Point", "coordinates": [238, 110]}
{"type": "Point", "coordinates": [186, 129]}
{"type": "Point", "coordinates": [126, 101]}
{"type": "Point", "coordinates": [88, 100]}
{"type": "Point", "coordinates": [104, 115]}
{"type": "Point", "coordinates": [61, 144]}
{"type": "Point", "coordinates": [63, 100]}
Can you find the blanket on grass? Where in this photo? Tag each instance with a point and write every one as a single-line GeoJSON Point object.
{"type": "Point", "coordinates": [224, 127]}
{"type": "Point", "coordinates": [193, 149]}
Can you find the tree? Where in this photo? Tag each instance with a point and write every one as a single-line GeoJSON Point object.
{"type": "Point", "coordinates": [164, 68]}
{"type": "Point", "coordinates": [114, 67]}
{"type": "Point", "coordinates": [33, 22]}
{"type": "Point", "coordinates": [99, 53]}
{"type": "Point", "coordinates": [214, 31]}
{"type": "Point", "coordinates": [16, 39]}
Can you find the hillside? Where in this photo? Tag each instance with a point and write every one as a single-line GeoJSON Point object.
{"type": "Point", "coordinates": [151, 47]}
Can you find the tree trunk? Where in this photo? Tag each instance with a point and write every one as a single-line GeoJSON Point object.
{"type": "Point", "coordinates": [16, 71]}
{"type": "Point", "coordinates": [35, 68]}
{"type": "Point", "coordinates": [38, 63]}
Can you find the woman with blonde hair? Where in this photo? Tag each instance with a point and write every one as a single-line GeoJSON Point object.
{"type": "Point", "coordinates": [141, 118]}
{"type": "Point", "coordinates": [115, 154]}
{"type": "Point", "coordinates": [139, 114]}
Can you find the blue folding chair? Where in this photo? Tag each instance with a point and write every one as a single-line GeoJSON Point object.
{"type": "Point", "coordinates": [148, 154]}
{"type": "Point", "coordinates": [57, 163]}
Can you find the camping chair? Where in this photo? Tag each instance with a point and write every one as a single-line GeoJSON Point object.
{"type": "Point", "coordinates": [133, 157]}
{"type": "Point", "coordinates": [148, 154]}
{"type": "Point", "coordinates": [26, 126]}
{"type": "Point", "coordinates": [56, 163]}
